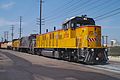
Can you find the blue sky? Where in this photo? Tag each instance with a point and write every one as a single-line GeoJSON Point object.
{"type": "Point", "coordinates": [55, 12]}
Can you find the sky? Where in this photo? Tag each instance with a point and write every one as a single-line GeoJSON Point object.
{"type": "Point", "coordinates": [55, 12]}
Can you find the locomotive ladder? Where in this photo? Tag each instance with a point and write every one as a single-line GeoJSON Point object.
{"type": "Point", "coordinates": [78, 49]}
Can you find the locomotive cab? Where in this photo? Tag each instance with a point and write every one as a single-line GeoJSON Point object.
{"type": "Point", "coordinates": [75, 22]}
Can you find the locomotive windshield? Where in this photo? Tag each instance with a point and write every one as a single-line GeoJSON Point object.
{"type": "Point", "coordinates": [78, 21]}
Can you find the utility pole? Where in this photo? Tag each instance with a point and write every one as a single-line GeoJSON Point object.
{"type": "Point", "coordinates": [40, 15]}
{"type": "Point", "coordinates": [20, 27]}
{"type": "Point", "coordinates": [6, 35]}
{"type": "Point", "coordinates": [2, 39]}
{"type": "Point", "coordinates": [12, 34]}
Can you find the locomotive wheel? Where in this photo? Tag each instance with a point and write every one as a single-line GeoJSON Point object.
{"type": "Point", "coordinates": [60, 55]}
{"type": "Point", "coordinates": [33, 52]}
{"type": "Point", "coordinates": [29, 52]}
{"type": "Point", "coordinates": [76, 57]}
{"type": "Point", "coordinates": [88, 57]}
{"type": "Point", "coordinates": [69, 56]}
{"type": "Point", "coordinates": [53, 54]}
{"type": "Point", "coordinates": [70, 59]}
{"type": "Point", "coordinates": [39, 51]}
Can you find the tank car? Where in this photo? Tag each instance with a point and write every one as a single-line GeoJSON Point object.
{"type": "Point", "coordinates": [4, 45]}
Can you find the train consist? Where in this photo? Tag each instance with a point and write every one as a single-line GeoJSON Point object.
{"type": "Point", "coordinates": [78, 40]}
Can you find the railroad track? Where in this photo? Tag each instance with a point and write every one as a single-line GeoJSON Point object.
{"type": "Point", "coordinates": [112, 66]}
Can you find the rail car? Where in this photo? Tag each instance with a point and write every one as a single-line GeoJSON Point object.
{"type": "Point", "coordinates": [6, 45]}
{"type": "Point", "coordinates": [3, 45]}
{"type": "Point", "coordinates": [9, 45]}
{"type": "Point", "coordinates": [78, 40]}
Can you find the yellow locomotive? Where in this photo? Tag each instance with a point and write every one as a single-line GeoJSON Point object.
{"type": "Point", "coordinates": [78, 40]}
{"type": "Point", "coordinates": [16, 44]}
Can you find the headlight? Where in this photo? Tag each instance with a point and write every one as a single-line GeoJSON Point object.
{"type": "Point", "coordinates": [92, 49]}
{"type": "Point", "coordinates": [82, 48]}
{"type": "Point", "coordinates": [106, 49]}
{"type": "Point", "coordinates": [72, 52]}
{"type": "Point", "coordinates": [97, 58]}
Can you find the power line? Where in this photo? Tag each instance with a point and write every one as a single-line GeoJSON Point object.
{"type": "Point", "coordinates": [109, 4]}
{"type": "Point", "coordinates": [54, 18]}
{"type": "Point", "coordinates": [70, 9]}
{"type": "Point", "coordinates": [107, 16]}
{"type": "Point", "coordinates": [92, 8]}
{"type": "Point", "coordinates": [107, 13]}
{"type": "Point", "coordinates": [87, 3]}
{"type": "Point", "coordinates": [96, 6]}
{"type": "Point", "coordinates": [74, 10]}
{"type": "Point", "coordinates": [60, 8]}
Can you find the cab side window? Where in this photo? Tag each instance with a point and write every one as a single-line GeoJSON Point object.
{"type": "Point", "coordinates": [77, 25]}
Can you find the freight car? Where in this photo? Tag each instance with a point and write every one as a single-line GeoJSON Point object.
{"type": "Point", "coordinates": [6, 45]}
{"type": "Point", "coordinates": [3, 45]}
{"type": "Point", "coordinates": [78, 40]}
{"type": "Point", "coordinates": [9, 45]}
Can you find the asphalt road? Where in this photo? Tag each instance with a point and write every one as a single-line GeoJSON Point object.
{"type": "Point", "coordinates": [22, 66]}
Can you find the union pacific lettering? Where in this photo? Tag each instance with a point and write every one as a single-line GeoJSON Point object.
{"type": "Point", "coordinates": [66, 35]}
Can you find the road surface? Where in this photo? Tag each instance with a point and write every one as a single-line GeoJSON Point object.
{"type": "Point", "coordinates": [22, 66]}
